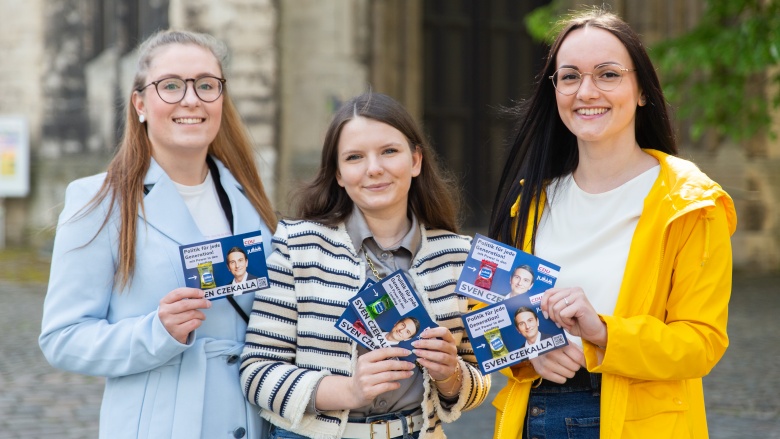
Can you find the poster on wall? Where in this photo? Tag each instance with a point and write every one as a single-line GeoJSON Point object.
{"type": "Point", "coordinates": [14, 157]}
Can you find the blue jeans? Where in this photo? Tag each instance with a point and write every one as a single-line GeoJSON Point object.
{"type": "Point", "coordinates": [563, 412]}
{"type": "Point", "coordinates": [281, 433]}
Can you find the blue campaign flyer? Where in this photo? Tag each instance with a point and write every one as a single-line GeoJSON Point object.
{"type": "Point", "coordinates": [350, 324]}
{"type": "Point", "coordinates": [495, 271]}
{"type": "Point", "coordinates": [392, 312]}
{"type": "Point", "coordinates": [226, 266]}
{"type": "Point", "coordinates": [508, 332]}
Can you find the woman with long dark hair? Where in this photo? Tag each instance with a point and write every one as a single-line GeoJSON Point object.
{"type": "Point", "coordinates": [642, 237]}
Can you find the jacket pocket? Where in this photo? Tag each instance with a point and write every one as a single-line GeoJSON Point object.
{"type": "Point", "coordinates": [650, 398]}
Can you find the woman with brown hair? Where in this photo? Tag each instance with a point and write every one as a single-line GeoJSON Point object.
{"type": "Point", "coordinates": [116, 305]}
{"type": "Point", "coordinates": [378, 204]}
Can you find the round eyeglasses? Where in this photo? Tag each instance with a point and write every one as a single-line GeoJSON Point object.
{"type": "Point", "coordinates": [606, 77]}
{"type": "Point", "coordinates": [173, 90]}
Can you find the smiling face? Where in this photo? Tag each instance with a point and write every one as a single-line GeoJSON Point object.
{"type": "Point", "coordinates": [403, 330]}
{"type": "Point", "coordinates": [237, 264]}
{"type": "Point", "coordinates": [591, 114]}
{"type": "Point", "coordinates": [521, 281]}
{"type": "Point", "coordinates": [376, 166]}
{"type": "Point", "coordinates": [527, 324]}
{"type": "Point", "coordinates": [187, 126]}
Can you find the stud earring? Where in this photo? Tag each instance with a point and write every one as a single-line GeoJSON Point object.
{"type": "Point", "coordinates": [141, 118]}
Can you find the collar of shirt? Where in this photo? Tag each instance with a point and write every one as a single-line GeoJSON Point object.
{"type": "Point", "coordinates": [358, 231]}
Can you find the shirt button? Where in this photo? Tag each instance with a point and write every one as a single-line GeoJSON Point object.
{"type": "Point", "coordinates": [536, 411]}
{"type": "Point", "coordinates": [239, 432]}
{"type": "Point", "coordinates": [384, 255]}
{"type": "Point", "coordinates": [231, 359]}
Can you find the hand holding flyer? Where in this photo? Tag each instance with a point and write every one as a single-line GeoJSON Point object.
{"type": "Point", "coordinates": [391, 313]}
{"type": "Point", "coordinates": [227, 266]}
{"type": "Point", "coordinates": [512, 328]}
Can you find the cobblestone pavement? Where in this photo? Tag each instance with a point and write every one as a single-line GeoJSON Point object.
{"type": "Point", "coordinates": [742, 392]}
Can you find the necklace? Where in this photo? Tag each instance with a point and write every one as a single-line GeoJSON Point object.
{"type": "Point", "coordinates": [371, 264]}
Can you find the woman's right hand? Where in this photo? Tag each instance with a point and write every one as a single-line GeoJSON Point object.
{"type": "Point", "coordinates": [561, 364]}
{"type": "Point", "coordinates": [378, 372]}
{"type": "Point", "coordinates": [180, 312]}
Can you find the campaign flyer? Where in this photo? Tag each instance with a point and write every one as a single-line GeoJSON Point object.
{"type": "Point", "coordinates": [495, 271]}
{"type": "Point", "coordinates": [513, 330]}
{"type": "Point", "coordinates": [392, 312]}
{"type": "Point", "coordinates": [350, 324]}
{"type": "Point", "coordinates": [226, 266]}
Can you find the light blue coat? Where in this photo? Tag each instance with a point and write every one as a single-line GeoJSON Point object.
{"type": "Point", "coordinates": [156, 387]}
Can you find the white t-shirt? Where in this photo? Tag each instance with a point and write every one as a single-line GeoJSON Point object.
{"type": "Point", "coordinates": [203, 203]}
{"type": "Point", "coordinates": [589, 235]}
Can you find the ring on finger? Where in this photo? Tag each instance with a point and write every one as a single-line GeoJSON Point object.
{"type": "Point", "coordinates": [566, 300]}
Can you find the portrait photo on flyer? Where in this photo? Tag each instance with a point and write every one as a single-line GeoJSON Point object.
{"type": "Point", "coordinates": [495, 271]}
{"type": "Point", "coordinates": [227, 266]}
{"type": "Point", "coordinates": [511, 331]}
{"type": "Point", "coordinates": [392, 312]}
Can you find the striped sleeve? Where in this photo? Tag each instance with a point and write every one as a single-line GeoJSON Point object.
{"type": "Point", "coordinates": [269, 377]}
{"type": "Point", "coordinates": [443, 268]}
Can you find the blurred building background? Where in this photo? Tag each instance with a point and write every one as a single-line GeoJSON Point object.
{"type": "Point", "coordinates": [67, 65]}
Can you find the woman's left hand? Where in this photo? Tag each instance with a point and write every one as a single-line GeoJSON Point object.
{"type": "Point", "coordinates": [570, 309]}
{"type": "Point", "coordinates": [437, 352]}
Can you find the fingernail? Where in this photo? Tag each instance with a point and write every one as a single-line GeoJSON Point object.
{"type": "Point", "coordinates": [415, 343]}
{"type": "Point", "coordinates": [544, 313]}
{"type": "Point", "coordinates": [407, 352]}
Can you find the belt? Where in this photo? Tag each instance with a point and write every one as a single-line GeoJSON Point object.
{"type": "Point", "coordinates": [581, 379]}
{"type": "Point", "coordinates": [386, 429]}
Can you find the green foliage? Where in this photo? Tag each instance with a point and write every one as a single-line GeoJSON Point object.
{"type": "Point", "coordinates": [717, 74]}
{"type": "Point", "coordinates": [541, 23]}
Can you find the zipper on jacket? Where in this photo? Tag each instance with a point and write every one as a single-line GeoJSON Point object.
{"type": "Point", "coordinates": [503, 412]}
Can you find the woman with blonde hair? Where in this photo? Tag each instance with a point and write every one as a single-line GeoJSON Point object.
{"type": "Point", "coordinates": [116, 305]}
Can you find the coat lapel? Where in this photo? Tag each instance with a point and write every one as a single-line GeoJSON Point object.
{"type": "Point", "coordinates": [165, 210]}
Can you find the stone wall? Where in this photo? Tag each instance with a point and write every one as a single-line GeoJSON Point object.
{"type": "Point", "coordinates": [69, 67]}
{"type": "Point", "coordinates": [21, 72]}
{"type": "Point", "coordinates": [324, 48]}
{"type": "Point", "coordinates": [249, 28]}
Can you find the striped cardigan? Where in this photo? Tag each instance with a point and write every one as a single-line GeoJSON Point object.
{"type": "Point", "coordinates": [291, 340]}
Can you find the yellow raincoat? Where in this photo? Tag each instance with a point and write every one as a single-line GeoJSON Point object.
{"type": "Point", "coordinates": [669, 325]}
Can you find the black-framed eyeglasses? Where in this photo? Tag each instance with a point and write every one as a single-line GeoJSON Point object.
{"type": "Point", "coordinates": [173, 90]}
{"type": "Point", "coordinates": [606, 77]}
